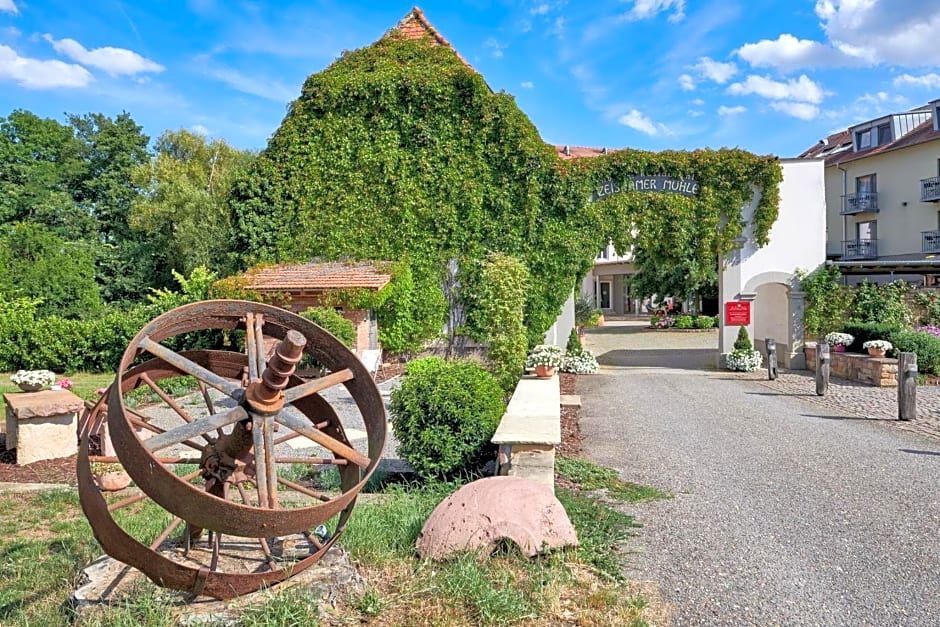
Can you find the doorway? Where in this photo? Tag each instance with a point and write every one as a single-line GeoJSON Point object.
{"type": "Point", "coordinates": [604, 295]}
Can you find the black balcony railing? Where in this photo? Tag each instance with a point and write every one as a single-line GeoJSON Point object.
{"type": "Point", "coordinates": [860, 249]}
{"type": "Point", "coordinates": [930, 241]}
{"type": "Point", "coordinates": [858, 203]}
{"type": "Point", "coordinates": [930, 189]}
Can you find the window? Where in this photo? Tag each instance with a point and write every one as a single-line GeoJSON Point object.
{"type": "Point", "coordinates": [866, 231]}
{"type": "Point", "coordinates": [863, 139]}
{"type": "Point", "coordinates": [884, 134]}
{"type": "Point", "coordinates": [865, 193]}
{"type": "Point", "coordinates": [605, 295]}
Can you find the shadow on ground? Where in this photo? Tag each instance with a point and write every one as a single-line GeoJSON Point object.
{"type": "Point", "coordinates": [684, 359]}
{"type": "Point", "coordinates": [916, 452]}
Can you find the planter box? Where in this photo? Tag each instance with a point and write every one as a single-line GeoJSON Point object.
{"type": "Point", "coordinates": [876, 371]}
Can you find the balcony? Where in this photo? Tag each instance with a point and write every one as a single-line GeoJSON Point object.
{"type": "Point", "coordinates": [930, 189]}
{"type": "Point", "coordinates": [930, 241]}
{"type": "Point", "coordinates": [859, 203]}
{"type": "Point", "coordinates": [860, 249]}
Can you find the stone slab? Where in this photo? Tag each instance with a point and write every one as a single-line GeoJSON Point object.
{"type": "Point", "coordinates": [41, 437]}
{"type": "Point", "coordinates": [570, 400]}
{"type": "Point", "coordinates": [43, 403]}
{"type": "Point", "coordinates": [533, 415]}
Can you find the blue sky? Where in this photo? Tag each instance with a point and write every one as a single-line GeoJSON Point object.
{"type": "Point", "coordinates": [767, 76]}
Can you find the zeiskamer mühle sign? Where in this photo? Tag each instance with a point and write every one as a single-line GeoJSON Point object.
{"type": "Point", "coordinates": [644, 183]}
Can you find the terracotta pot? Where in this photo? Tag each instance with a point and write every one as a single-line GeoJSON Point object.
{"type": "Point", "coordinates": [839, 348]}
{"type": "Point", "coordinates": [30, 387]}
{"type": "Point", "coordinates": [112, 481]}
{"type": "Point", "coordinates": [876, 352]}
{"type": "Point", "coordinates": [545, 372]}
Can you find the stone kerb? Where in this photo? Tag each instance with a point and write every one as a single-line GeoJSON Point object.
{"type": "Point", "coordinates": [529, 431]}
{"type": "Point", "coordinates": [876, 371]}
{"type": "Point", "coordinates": [42, 425]}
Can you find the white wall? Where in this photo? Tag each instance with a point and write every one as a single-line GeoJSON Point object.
{"type": "Point", "coordinates": [559, 332]}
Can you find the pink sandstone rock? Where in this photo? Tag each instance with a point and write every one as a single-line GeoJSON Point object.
{"type": "Point", "coordinates": [480, 514]}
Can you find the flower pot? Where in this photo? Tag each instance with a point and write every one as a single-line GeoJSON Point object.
{"type": "Point", "coordinates": [545, 372]}
{"type": "Point", "coordinates": [112, 481]}
{"type": "Point", "coordinates": [876, 352]}
{"type": "Point", "coordinates": [30, 387]}
{"type": "Point", "coordinates": [839, 348]}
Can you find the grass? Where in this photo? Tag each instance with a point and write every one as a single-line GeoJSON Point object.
{"type": "Point", "coordinates": [45, 541]}
{"type": "Point", "coordinates": [589, 476]}
{"type": "Point", "coordinates": [83, 384]}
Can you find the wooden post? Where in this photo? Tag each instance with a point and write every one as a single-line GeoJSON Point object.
{"type": "Point", "coordinates": [822, 368]}
{"type": "Point", "coordinates": [771, 345]}
{"type": "Point", "coordinates": [907, 386]}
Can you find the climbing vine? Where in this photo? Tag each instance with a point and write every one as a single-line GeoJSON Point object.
{"type": "Point", "coordinates": [401, 151]}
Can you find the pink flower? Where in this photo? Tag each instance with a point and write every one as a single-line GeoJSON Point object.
{"type": "Point", "coordinates": [101, 391]}
{"type": "Point", "coordinates": [65, 383]}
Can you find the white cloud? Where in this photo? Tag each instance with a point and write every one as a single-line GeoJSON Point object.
{"type": "Point", "coordinates": [645, 9]}
{"type": "Point", "coordinates": [261, 87]}
{"type": "Point", "coordinates": [698, 102]}
{"type": "Point", "coordinates": [540, 9]}
{"type": "Point", "coordinates": [928, 81]}
{"type": "Point", "coordinates": [802, 89]}
{"type": "Point", "coordinates": [858, 32]}
{"type": "Point", "coordinates": [694, 114]}
{"type": "Point", "coordinates": [41, 73]}
{"type": "Point", "coordinates": [199, 129]}
{"type": "Point", "coordinates": [114, 61]}
{"type": "Point", "coordinates": [723, 110]}
{"type": "Point", "coordinates": [639, 122]}
{"type": "Point", "coordinates": [786, 52]}
{"type": "Point", "coordinates": [716, 71]}
{"type": "Point", "coordinates": [496, 48]}
{"type": "Point", "coordinates": [527, 85]}
{"type": "Point", "coordinates": [7, 6]}
{"type": "Point", "coordinates": [686, 82]}
{"type": "Point", "coordinates": [801, 110]}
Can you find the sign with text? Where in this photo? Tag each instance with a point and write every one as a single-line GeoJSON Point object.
{"type": "Point", "coordinates": [737, 313]}
{"type": "Point", "coordinates": [643, 183]}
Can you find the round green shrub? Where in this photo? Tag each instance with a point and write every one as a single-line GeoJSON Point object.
{"type": "Point", "coordinates": [332, 321]}
{"type": "Point", "coordinates": [574, 342]}
{"type": "Point", "coordinates": [704, 322]}
{"type": "Point", "coordinates": [924, 344]}
{"type": "Point", "coordinates": [684, 322]}
{"type": "Point", "coordinates": [444, 414]}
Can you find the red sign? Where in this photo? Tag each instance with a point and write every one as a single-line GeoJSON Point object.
{"type": "Point", "coordinates": [738, 313]}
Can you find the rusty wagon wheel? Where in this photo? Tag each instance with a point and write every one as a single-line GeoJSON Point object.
{"type": "Point", "coordinates": [233, 492]}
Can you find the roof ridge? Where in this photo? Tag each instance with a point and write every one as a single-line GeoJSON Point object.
{"type": "Point", "coordinates": [417, 15]}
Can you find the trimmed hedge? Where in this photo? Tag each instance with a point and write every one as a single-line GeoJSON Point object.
{"type": "Point", "coordinates": [865, 331]}
{"type": "Point", "coordinates": [926, 345]}
{"type": "Point", "coordinates": [445, 413]}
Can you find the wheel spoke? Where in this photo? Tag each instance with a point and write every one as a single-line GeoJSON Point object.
{"type": "Point", "coordinates": [251, 347]}
{"type": "Point", "coordinates": [191, 430]}
{"type": "Point", "coordinates": [259, 343]}
{"type": "Point", "coordinates": [309, 431]}
{"type": "Point", "coordinates": [166, 398]}
{"type": "Point", "coordinates": [261, 459]}
{"type": "Point", "coordinates": [272, 564]}
{"type": "Point", "coordinates": [317, 385]}
{"type": "Point", "coordinates": [299, 488]}
{"type": "Point", "coordinates": [140, 422]}
{"type": "Point", "coordinates": [190, 367]}
{"type": "Point", "coordinates": [166, 533]}
{"type": "Point", "coordinates": [137, 498]}
{"type": "Point", "coordinates": [268, 432]}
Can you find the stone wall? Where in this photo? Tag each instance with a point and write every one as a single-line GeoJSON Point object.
{"type": "Point", "coordinates": [877, 371]}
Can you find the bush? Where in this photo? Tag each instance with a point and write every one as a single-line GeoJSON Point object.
{"type": "Point", "coordinates": [334, 322]}
{"type": "Point", "coordinates": [924, 344]}
{"type": "Point", "coordinates": [704, 322]}
{"type": "Point", "coordinates": [866, 331]}
{"type": "Point", "coordinates": [881, 304]}
{"type": "Point", "coordinates": [684, 322]}
{"type": "Point", "coordinates": [827, 300]}
{"type": "Point", "coordinates": [444, 415]}
{"type": "Point", "coordinates": [743, 343]}
{"type": "Point", "coordinates": [574, 342]}
{"type": "Point", "coordinates": [744, 359]}
{"type": "Point", "coordinates": [585, 314]}
{"type": "Point", "coordinates": [579, 361]}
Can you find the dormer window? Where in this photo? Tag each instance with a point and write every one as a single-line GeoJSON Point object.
{"type": "Point", "coordinates": [863, 139]}
{"type": "Point", "coordinates": [884, 134]}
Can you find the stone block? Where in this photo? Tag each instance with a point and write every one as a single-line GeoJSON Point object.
{"type": "Point", "coordinates": [42, 425]}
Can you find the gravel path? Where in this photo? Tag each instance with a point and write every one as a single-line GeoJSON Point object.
{"type": "Point", "coordinates": [784, 511]}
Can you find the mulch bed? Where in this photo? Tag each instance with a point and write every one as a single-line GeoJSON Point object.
{"type": "Point", "coordinates": [60, 470]}
{"type": "Point", "coordinates": [570, 432]}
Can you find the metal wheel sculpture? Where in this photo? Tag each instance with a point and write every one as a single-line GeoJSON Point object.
{"type": "Point", "coordinates": [233, 493]}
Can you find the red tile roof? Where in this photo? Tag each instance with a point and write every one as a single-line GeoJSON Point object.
{"type": "Point", "coordinates": [922, 133]}
{"type": "Point", "coordinates": [317, 276]}
{"type": "Point", "coordinates": [416, 26]}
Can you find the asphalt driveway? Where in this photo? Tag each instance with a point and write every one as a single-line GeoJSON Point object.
{"type": "Point", "coordinates": [784, 512]}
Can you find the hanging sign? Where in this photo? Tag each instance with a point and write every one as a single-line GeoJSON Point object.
{"type": "Point", "coordinates": [737, 313]}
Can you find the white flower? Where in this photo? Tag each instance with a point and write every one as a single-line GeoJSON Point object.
{"type": "Point", "coordinates": [579, 362]}
{"type": "Point", "coordinates": [33, 377]}
{"type": "Point", "coordinates": [883, 345]}
{"type": "Point", "coordinates": [836, 338]}
{"type": "Point", "coordinates": [744, 360]}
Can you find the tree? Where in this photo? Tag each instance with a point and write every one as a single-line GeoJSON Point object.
{"type": "Point", "coordinates": [184, 207]}
{"type": "Point", "coordinates": [36, 263]}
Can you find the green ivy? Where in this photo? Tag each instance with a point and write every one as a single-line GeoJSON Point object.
{"type": "Point", "coordinates": [401, 151]}
{"type": "Point", "coordinates": [828, 302]}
